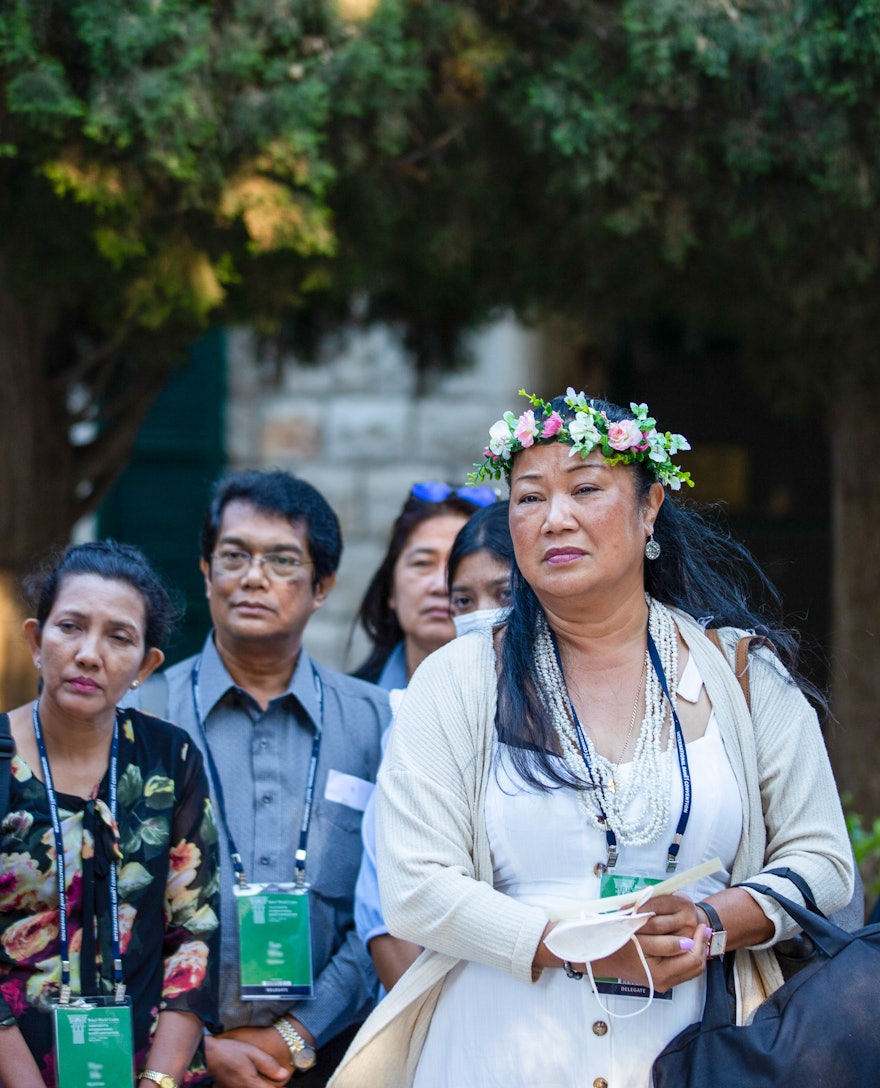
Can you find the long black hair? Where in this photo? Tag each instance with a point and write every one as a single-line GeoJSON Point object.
{"type": "Point", "coordinates": [701, 570]}
{"type": "Point", "coordinates": [487, 531]}
{"type": "Point", "coordinates": [375, 614]}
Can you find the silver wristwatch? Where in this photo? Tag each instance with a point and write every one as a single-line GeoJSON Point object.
{"type": "Point", "coordinates": [718, 940]}
{"type": "Point", "coordinates": [302, 1055]}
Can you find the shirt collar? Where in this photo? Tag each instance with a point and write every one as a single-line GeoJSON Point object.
{"type": "Point", "coordinates": [215, 682]}
{"type": "Point", "coordinates": [393, 674]}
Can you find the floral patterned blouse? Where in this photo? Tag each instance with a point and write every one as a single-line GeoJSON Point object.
{"type": "Point", "coordinates": [168, 891]}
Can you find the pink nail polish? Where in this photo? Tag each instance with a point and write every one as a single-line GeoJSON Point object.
{"type": "Point", "coordinates": [685, 943]}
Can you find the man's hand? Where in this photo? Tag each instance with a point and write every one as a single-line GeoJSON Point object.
{"type": "Point", "coordinates": [248, 1058]}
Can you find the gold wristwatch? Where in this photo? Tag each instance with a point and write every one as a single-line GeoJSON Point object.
{"type": "Point", "coordinates": [302, 1055]}
{"type": "Point", "coordinates": [162, 1079]}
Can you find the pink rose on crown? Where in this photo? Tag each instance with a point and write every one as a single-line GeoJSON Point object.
{"type": "Point", "coordinates": [526, 430]}
{"type": "Point", "coordinates": [626, 435]}
{"type": "Point", "coordinates": [552, 425]}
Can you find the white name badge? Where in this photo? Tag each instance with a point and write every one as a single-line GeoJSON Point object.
{"type": "Point", "coordinates": [347, 789]}
{"type": "Point", "coordinates": [274, 942]}
{"type": "Point", "coordinates": [93, 1043]}
{"type": "Point", "coordinates": [612, 886]}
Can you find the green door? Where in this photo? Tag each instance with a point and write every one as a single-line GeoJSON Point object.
{"type": "Point", "coordinates": [160, 498]}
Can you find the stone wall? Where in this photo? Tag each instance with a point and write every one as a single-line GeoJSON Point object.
{"type": "Point", "coordinates": [361, 430]}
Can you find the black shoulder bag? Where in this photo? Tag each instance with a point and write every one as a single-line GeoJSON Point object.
{"type": "Point", "coordinates": [817, 1031]}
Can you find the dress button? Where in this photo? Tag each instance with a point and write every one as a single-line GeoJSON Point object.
{"type": "Point", "coordinates": [267, 798]}
{"type": "Point", "coordinates": [600, 1027]}
{"type": "Point", "coordinates": [264, 743]}
{"type": "Point", "coordinates": [600, 1082]}
{"type": "Point", "coordinates": [264, 860]}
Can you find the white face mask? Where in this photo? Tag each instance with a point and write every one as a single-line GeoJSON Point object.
{"type": "Point", "coordinates": [594, 936]}
{"type": "Point", "coordinates": [478, 621]}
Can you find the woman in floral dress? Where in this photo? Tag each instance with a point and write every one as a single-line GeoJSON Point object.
{"type": "Point", "coordinates": [101, 615]}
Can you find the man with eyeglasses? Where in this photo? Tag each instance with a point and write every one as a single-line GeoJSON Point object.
{"type": "Point", "coordinates": [292, 749]}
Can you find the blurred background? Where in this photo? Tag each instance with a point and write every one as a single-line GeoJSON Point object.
{"type": "Point", "coordinates": [338, 237]}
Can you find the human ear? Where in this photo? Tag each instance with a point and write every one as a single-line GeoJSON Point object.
{"type": "Point", "coordinates": [33, 634]}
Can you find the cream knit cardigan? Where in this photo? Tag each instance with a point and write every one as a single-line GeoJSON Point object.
{"type": "Point", "coordinates": [435, 867]}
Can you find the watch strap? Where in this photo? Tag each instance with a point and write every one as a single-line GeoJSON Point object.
{"type": "Point", "coordinates": [164, 1079]}
{"type": "Point", "coordinates": [718, 940]}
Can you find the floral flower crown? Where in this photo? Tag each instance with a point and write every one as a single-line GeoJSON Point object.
{"type": "Point", "coordinates": [626, 442]}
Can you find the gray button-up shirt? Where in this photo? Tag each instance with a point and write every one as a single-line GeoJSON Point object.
{"type": "Point", "coordinates": [262, 758]}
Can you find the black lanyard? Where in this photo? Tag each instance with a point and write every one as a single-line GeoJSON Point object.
{"type": "Point", "coordinates": [681, 750]}
{"type": "Point", "coordinates": [119, 985]}
{"type": "Point", "coordinates": [235, 856]}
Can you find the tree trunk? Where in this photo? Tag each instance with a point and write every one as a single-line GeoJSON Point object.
{"type": "Point", "coordinates": [855, 671]}
{"type": "Point", "coordinates": [35, 455]}
{"type": "Point", "coordinates": [48, 483]}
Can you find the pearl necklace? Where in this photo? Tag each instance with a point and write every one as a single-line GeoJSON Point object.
{"type": "Point", "coordinates": [638, 809]}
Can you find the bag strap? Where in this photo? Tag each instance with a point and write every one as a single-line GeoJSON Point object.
{"type": "Point", "coordinates": [825, 935]}
{"type": "Point", "coordinates": [744, 646]}
{"type": "Point", "coordinates": [7, 751]}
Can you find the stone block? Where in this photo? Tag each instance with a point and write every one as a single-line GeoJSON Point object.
{"type": "Point", "coordinates": [291, 431]}
{"type": "Point", "coordinates": [367, 427]}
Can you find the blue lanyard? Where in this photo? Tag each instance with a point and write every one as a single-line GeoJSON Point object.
{"type": "Point", "coordinates": [119, 985]}
{"type": "Point", "coordinates": [235, 856]}
{"type": "Point", "coordinates": [681, 750]}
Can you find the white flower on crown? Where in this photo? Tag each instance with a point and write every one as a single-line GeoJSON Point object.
{"type": "Point", "coordinates": [575, 400]}
{"type": "Point", "coordinates": [626, 441]}
{"type": "Point", "coordinates": [500, 437]}
{"type": "Point", "coordinates": [583, 431]}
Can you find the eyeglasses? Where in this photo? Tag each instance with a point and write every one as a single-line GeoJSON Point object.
{"type": "Point", "coordinates": [431, 491]}
{"type": "Point", "coordinates": [276, 564]}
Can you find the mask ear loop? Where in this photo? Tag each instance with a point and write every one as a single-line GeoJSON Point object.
{"type": "Point", "coordinates": [638, 1011]}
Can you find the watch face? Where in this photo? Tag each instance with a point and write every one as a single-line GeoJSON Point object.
{"type": "Point", "coordinates": [305, 1058]}
{"type": "Point", "coordinates": [718, 943]}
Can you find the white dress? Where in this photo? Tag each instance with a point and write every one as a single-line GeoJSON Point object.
{"type": "Point", "coordinates": [490, 1031]}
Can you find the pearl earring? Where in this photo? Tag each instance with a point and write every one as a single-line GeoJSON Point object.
{"type": "Point", "coordinates": [135, 683]}
{"type": "Point", "coordinates": [652, 548]}
{"type": "Point", "coordinates": [38, 664]}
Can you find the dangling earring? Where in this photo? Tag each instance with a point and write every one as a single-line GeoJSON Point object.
{"type": "Point", "coordinates": [135, 683]}
{"type": "Point", "coordinates": [652, 548]}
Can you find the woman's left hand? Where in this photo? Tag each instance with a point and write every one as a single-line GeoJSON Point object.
{"type": "Point", "coordinates": [673, 942]}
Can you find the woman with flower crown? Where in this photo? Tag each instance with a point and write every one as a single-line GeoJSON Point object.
{"type": "Point", "coordinates": [595, 744]}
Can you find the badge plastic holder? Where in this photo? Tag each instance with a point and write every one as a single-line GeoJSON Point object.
{"type": "Point", "coordinates": [274, 942]}
{"type": "Point", "coordinates": [93, 1042]}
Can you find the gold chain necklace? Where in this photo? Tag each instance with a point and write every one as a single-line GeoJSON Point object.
{"type": "Point", "coordinates": [612, 784]}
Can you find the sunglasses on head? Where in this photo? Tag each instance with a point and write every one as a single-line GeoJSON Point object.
{"type": "Point", "coordinates": [432, 491]}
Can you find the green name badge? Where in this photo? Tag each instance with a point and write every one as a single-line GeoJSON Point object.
{"type": "Point", "coordinates": [620, 884]}
{"type": "Point", "coordinates": [93, 1043]}
{"type": "Point", "coordinates": [274, 942]}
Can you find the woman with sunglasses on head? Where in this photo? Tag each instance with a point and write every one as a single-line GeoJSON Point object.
{"type": "Point", "coordinates": [479, 594]}
{"type": "Point", "coordinates": [108, 850]}
{"type": "Point", "coordinates": [405, 610]}
{"type": "Point", "coordinates": [590, 746]}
